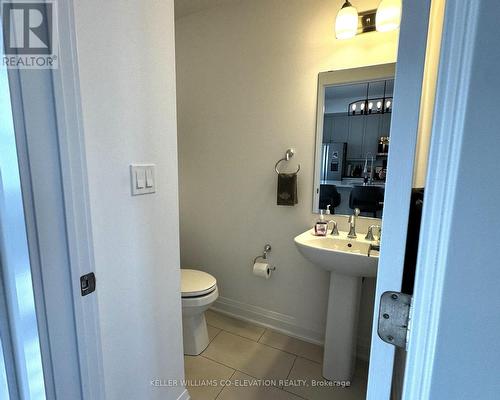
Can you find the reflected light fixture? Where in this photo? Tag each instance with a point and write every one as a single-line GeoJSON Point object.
{"type": "Point", "coordinates": [388, 15]}
{"type": "Point", "coordinates": [346, 23]}
{"type": "Point", "coordinates": [375, 105]}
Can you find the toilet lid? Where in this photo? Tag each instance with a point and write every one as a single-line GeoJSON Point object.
{"type": "Point", "coordinates": [196, 283]}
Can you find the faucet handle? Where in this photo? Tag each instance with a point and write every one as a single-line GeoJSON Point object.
{"type": "Point", "coordinates": [369, 234]}
{"type": "Point", "coordinates": [335, 230]}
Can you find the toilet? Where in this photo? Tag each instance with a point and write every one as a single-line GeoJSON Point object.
{"type": "Point", "coordinates": [199, 291]}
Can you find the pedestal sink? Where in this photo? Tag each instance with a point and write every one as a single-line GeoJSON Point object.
{"type": "Point", "coordinates": [348, 260]}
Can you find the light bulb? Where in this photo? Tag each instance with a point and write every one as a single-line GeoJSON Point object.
{"type": "Point", "coordinates": [387, 104]}
{"type": "Point", "coordinates": [362, 106]}
{"type": "Point", "coordinates": [346, 23]}
{"type": "Point", "coordinates": [354, 107]}
{"type": "Point", "coordinates": [379, 104]}
{"type": "Point", "coordinates": [370, 105]}
{"type": "Point", "coordinates": [388, 15]}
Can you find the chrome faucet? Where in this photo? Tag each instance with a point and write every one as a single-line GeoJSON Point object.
{"type": "Point", "coordinates": [352, 224]}
{"type": "Point", "coordinates": [369, 234]}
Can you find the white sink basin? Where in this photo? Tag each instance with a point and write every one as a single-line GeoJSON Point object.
{"type": "Point", "coordinates": [348, 260]}
{"type": "Point", "coordinates": [339, 253]}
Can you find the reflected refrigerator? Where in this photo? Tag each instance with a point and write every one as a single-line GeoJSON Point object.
{"type": "Point", "coordinates": [333, 159]}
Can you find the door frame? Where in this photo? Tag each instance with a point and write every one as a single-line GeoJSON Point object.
{"type": "Point", "coordinates": [442, 179]}
{"type": "Point", "coordinates": [62, 155]}
{"type": "Point", "coordinates": [67, 97]}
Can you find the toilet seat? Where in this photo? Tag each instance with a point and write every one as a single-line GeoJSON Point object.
{"type": "Point", "coordinates": [196, 283]}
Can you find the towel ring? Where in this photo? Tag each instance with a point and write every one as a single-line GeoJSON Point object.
{"type": "Point", "coordinates": [288, 155]}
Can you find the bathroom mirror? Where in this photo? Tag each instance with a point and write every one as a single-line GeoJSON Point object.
{"type": "Point", "coordinates": [353, 139]}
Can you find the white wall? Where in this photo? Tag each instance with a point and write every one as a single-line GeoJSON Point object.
{"type": "Point", "coordinates": [247, 80]}
{"type": "Point", "coordinates": [127, 73]}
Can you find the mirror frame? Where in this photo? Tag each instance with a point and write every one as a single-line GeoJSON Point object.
{"type": "Point", "coordinates": [341, 77]}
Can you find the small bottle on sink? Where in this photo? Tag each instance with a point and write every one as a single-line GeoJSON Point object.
{"type": "Point", "coordinates": [321, 226]}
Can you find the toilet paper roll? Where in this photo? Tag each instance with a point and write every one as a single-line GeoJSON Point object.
{"type": "Point", "coordinates": [262, 270]}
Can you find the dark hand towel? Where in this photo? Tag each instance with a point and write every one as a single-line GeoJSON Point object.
{"type": "Point", "coordinates": [287, 190]}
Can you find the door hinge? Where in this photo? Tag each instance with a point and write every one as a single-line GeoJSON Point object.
{"type": "Point", "coordinates": [394, 320]}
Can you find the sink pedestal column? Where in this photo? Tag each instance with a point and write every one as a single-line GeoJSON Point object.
{"type": "Point", "coordinates": [341, 327]}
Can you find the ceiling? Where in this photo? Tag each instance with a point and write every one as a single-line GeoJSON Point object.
{"type": "Point", "coordinates": [350, 91]}
{"type": "Point", "coordinates": [186, 7]}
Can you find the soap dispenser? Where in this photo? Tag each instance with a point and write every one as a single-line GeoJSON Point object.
{"type": "Point", "coordinates": [321, 226]}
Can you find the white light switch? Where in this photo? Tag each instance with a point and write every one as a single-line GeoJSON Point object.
{"type": "Point", "coordinates": [150, 182]}
{"type": "Point", "coordinates": [139, 179]}
{"type": "Point", "coordinates": [142, 179]}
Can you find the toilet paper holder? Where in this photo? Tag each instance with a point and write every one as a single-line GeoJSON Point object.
{"type": "Point", "coordinates": [267, 250]}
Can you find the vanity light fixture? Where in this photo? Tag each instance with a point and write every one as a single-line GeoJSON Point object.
{"type": "Point", "coordinates": [346, 23]}
{"type": "Point", "coordinates": [388, 15]}
{"type": "Point", "coordinates": [350, 23]}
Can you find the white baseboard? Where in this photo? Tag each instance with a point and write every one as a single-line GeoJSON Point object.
{"type": "Point", "coordinates": [280, 322]}
{"type": "Point", "coordinates": [269, 319]}
{"type": "Point", "coordinates": [184, 395]}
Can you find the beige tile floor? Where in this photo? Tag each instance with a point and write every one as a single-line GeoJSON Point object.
{"type": "Point", "coordinates": [246, 362]}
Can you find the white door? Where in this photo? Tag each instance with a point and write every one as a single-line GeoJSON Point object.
{"type": "Point", "coordinates": [47, 155]}
{"type": "Point", "coordinates": [404, 127]}
{"type": "Point", "coordinates": [453, 351]}
{"type": "Point", "coordinates": [454, 347]}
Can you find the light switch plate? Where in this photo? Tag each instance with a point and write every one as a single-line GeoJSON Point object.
{"type": "Point", "coordinates": [142, 179]}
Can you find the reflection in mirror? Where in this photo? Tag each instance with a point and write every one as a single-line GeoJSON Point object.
{"type": "Point", "coordinates": [352, 140]}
